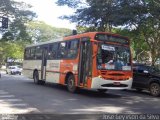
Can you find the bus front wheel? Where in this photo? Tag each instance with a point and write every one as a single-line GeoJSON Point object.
{"type": "Point", "coordinates": [71, 84]}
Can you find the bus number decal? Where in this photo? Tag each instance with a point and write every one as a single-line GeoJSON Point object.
{"type": "Point", "coordinates": [109, 48]}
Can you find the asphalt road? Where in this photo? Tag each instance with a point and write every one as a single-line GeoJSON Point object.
{"type": "Point", "coordinates": [20, 95]}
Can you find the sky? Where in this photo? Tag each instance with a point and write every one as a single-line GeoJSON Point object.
{"type": "Point", "coordinates": [49, 12]}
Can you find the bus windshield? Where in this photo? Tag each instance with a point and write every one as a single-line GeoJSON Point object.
{"type": "Point", "coordinates": [113, 57]}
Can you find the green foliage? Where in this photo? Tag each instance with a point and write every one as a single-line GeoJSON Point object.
{"type": "Point", "coordinates": [141, 18]}
{"type": "Point", "coordinates": [99, 14]}
{"type": "Point", "coordinates": [70, 3]}
{"type": "Point", "coordinates": [18, 14]}
{"type": "Point", "coordinates": [139, 46]}
{"type": "Point", "coordinates": [22, 30]}
{"type": "Point", "coordinates": [15, 37]}
{"type": "Point", "coordinates": [40, 32]}
{"type": "Point", "coordinates": [12, 50]}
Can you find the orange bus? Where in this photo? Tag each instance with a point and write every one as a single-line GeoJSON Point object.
{"type": "Point", "coordinates": [93, 60]}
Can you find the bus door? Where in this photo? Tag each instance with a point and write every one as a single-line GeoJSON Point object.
{"type": "Point", "coordinates": [85, 61]}
{"type": "Point", "coordinates": [44, 62]}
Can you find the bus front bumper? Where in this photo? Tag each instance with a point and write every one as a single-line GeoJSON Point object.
{"type": "Point", "coordinates": [100, 83]}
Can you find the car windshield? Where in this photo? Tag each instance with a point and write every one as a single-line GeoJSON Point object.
{"type": "Point", "coordinates": [143, 68]}
{"type": "Point", "coordinates": [113, 57]}
{"type": "Point", "coordinates": [153, 69]}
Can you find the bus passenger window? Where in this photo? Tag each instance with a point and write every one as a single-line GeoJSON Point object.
{"type": "Point", "coordinates": [27, 54]}
{"type": "Point", "coordinates": [72, 49]}
{"type": "Point", "coordinates": [72, 53]}
{"type": "Point", "coordinates": [74, 44]}
{"type": "Point", "coordinates": [32, 53]}
{"type": "Point", "coordinates": [38, 54]}
{"type": "Point", "coordinates": [62, 50]}
{"type": "Point", "coordinates": [52, 51]}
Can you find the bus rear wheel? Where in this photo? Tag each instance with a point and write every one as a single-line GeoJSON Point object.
{"type": "Point", "coordinates": [71, 84]}
{"type": "Point", "coordinates": [36, 79]}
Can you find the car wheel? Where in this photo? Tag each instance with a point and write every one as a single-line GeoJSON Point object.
{"type": "Point", "coordinates": [71, 84]}
{"type": "Point", "coordinates": [155, 89]}
{"type": "Point", "coordinates": [102, 90]}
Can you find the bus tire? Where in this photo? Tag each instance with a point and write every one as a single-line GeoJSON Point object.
{"type": "Point", "coordinates": [71, 84]}
{"type": "Point", "coordinates": [36, 77]}
{"type": "Point", "coordinates": [41, 82]}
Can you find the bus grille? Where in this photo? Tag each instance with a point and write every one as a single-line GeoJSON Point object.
{"type": "Point", "coordinates": [112, 85]}
{"type": "Point", "coordinates": [113, 76]}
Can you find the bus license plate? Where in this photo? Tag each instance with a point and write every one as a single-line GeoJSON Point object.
{"type": "Point", "coordinates": [116, 83]}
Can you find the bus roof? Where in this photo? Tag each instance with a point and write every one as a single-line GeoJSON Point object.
{"type": "Point", "coordinates": [92, 35]}
{"type": "Point", "coordinates": [47, 42]}
{"type": "Point", "coordinates": [87, 34]}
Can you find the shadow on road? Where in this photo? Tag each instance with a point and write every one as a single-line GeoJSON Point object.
{"type": "Point", "coordinates": [53, 98]}
{"type": "Point", "coordinates": [143, 92]}
{"type": "Point", "coordinates": [82, 92]}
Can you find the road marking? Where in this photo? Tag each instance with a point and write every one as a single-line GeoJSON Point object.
{"type": "Point", "coordinates": [9, 104]}
{"type": "Point", "coordinates": [10, 100]}
{"type": "Point", "coordinates": [6, 96]}
{"type": "Point", "coordinates": [3, 93]}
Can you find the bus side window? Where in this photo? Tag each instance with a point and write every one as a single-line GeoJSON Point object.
{"type": "Point", "coordinates": [27, 54]}
{"type": "Point", "coordinates": [72, 49]}
{"type": "Point", "coordinates": [62, 50]}
{"type": "Point", "coordinates": [32, 53]}
{"type": "Point", "coordinates": [38, 53]}
{"type": "Point", "coordinates": [53, 51]}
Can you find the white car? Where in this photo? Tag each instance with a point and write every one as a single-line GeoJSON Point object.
{"type": "Point", "coordinates": [14, 70]}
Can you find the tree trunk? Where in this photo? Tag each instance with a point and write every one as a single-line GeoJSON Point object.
{"type": "Point", "coordinates": [153, 55]}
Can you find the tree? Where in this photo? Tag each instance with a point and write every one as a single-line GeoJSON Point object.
{"type": "Point", "coordinates": [11, 50]}
{"type": "Point", "coordinates": [150, 29]}
{"type": "Point", "coordinates": [18, 14]}
{"type": "Point", "coordinates": [40, 31]}
{"type": "Point", "coordinates": [15, 37]}
{"type": "Point", "coordinates": [99, 14]}
{"type": "Point", "coordinates": [139, 47]}
{"type": "Point", "coordinates": [151, 34]}
{"type": "Point", "coordinates": [140, 16]}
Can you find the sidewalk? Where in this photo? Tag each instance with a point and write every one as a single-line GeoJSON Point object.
{"type": "Point", "coordinates": [2, 72]}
